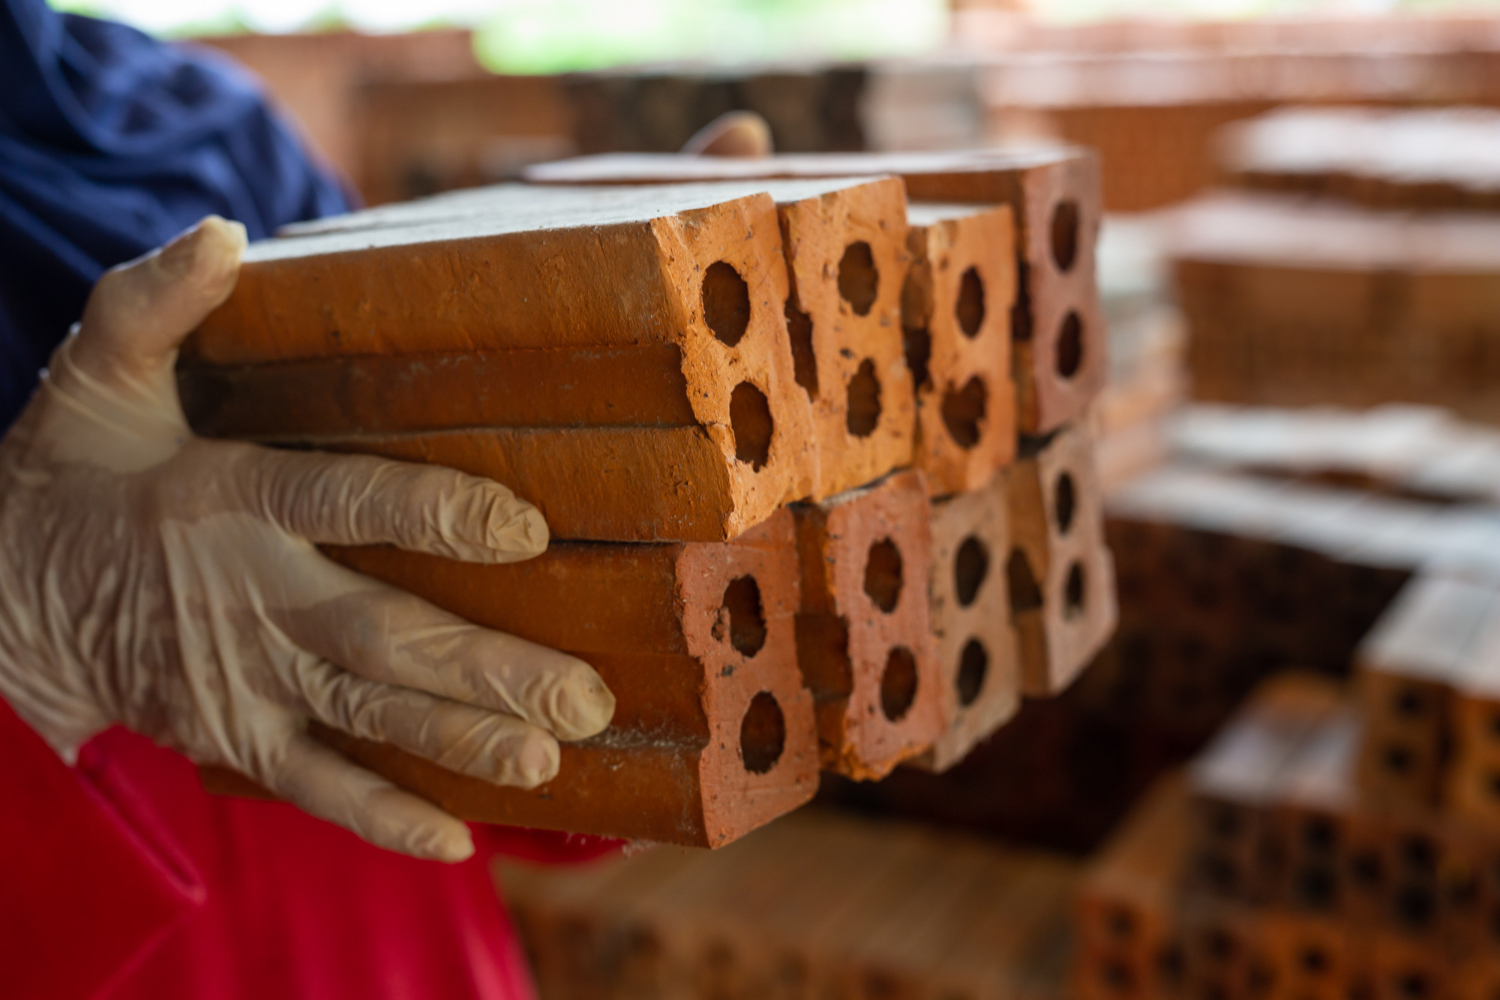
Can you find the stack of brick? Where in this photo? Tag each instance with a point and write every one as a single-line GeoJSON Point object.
{"type": "Point", "coordinates": [664, 371]}
{"type": "Point", "coordinates": [1265, 873]}
{"type": "Point", "coordinates": [1428, 159]}
{"type": "Point", "coordinates": [815, 905]}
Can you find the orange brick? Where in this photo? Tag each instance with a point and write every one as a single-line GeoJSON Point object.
{"type": "Point", "coordinates": [863, 633]}
{"type": "Point", "coordinates": [955, 318]}
{"type": "Point", "coordinates": [1060, 574]}
{"type": "Point", "coordinates": [417, 307]}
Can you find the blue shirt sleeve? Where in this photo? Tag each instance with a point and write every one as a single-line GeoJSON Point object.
{"type": "Point", "coordinates": [111, 143]}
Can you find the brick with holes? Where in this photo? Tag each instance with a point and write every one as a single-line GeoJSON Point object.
{"type": "Point", "coordinates": [974, 640]}
{"type": "Point", "coordinates": [864, 639]}
{"type": "Point", "coordinates": [713, 732]}
{"type": "Point", "coordinates": [617, 357]}
{"type": "Point", "coordinates": [955, 320]}
{"type": "Point", "coordinates": [1058, 336]}
{"type": "Point", "coordinates": [1060, 575]}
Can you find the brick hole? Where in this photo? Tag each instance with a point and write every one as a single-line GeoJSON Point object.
{"type": "Point", "coordinates": [1122, 924]}
{"type": "Point", "coordinates": [750, 422]}
{"type": "Point", "coordinates": [1065, 235]}
{"type": "Point", "coordinates": [1070, 346]}
{"type": "Point", "coordinates": [973, 665]}
{"type": "Point", "coordinates": [1419, 854]}
{"type": "Point", "coordinates": [883, 579]}
{"type": "Point", "coordinates": [1171, 963]}
{"type": "Point", "coordinates": [1221, 944]}
{"type": "Point", "coordinates": [971, 567]}
{"type": "Point", "coordinates": [1064, 502]}
{"type": "Point", "coordinates": [898, 683]}
{"type": "Point", "coordinates": [726, 302]}
{"type": "Point", "coordinates": [859, 279]}
{"type": "Point", "coordinates": [747, 622]}
{"type": "Point", "coordinates": [1410, 703]}
{"type": "Point", "coordinates": [1412, 986]}
{"type": "Point", "coordinates": [964, 410]}
{"type": "Point", "coordinates": [1073, 591]}
{"type": "Point", "coordinates": [862, 415]}
{"type": "Point", "coordinates": [1397, 759]}
{"type": "Point", "coordinates": [1316, 887]}
{"type": "Point", "coordinates": [1492, 784]}
{"type": "Point", "coordinates": [880, 985]}
{"type": "Point", "coordinates": [1319, 835]}
{"type": "Point", "coordinates": [799, 330]}
{"type": "Point", "coordinates": [1227, 822]}
{"type": "Point", "coordinates": [1214, 991]}
{"type": "Point", "coordinates": [1314, 960]}
{"type": "Point", "coordinates": [1260, 979]}
{"type": "Point", "coordinates": [1495, 726]}
{"type": "Point", "coordinates": [1025, 594]}
{"type": "Point", "coordinates": [969, 309]}
{"type": "Point", "coordinates": [762, 734]}
{"type": "Point", "coordinates": [1116, 975]}
{"type": "Point", "coordinates": [1414, 906]}
{"type": "Point", "coordinates": [1220, 873]}
{"type": "Point", "coordinates": [1367, 869]}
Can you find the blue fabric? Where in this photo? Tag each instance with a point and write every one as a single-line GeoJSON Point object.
{"type": "Point", "coordinates": [111, 143]}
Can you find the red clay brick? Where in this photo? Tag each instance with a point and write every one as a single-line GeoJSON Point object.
{"type": "Point", "coordinates": [955, 318]}
{"type": "Point", "coordinates": [863, 633]}
{"type": "Point", "coordinates": [713, 732]}
{"type": "Point", "coordinates": [661, 290]}
{"type": "Point", "coordinates": [1060, 574]}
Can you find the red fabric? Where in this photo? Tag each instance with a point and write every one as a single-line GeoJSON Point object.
{"type": "Point", "coordinates": [122, 878]}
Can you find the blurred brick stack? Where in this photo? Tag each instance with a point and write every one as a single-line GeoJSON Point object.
{"type": "Point", "coordinates": [1276, 869]}
{"type": "Point", "coordinates": [815, 458]}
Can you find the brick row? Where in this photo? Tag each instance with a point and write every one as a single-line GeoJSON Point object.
{"type": "Point", "coordinates": [713, 732]}
{"type": "Point", "coordinates": [1058, 338]}
{"type": "Point", "coordinates": [816, 905]}
{"type": "Point", "coordinates": [426, 334]}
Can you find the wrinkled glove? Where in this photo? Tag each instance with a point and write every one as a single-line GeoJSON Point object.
{"type": "Point", "coordinates": [170, 583]}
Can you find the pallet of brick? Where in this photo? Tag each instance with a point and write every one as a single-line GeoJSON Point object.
{"type": "Point", "coordinates": [1290, 302]}
{"type": "Point", "coordinates": [1058, 338]}
{"type": "Point", "coordinates": [618, 358]}
{"type": "Point", "coordinates": [955, 321]}
{"type": "Point", "coordinates": [975, 642]}
{"type": "Point", "coordinates": [713, 732]}
{"type": "Point", "coordinates": [820, 904]}
{"type": "Point", "coordinates": [1060, 575]}
{"type": "Point", "coordinates": [1426, 158]}
{"type": "Point", "coordinates": [864, 634]}
{"type": "Point", "coordinates": [843, 243]}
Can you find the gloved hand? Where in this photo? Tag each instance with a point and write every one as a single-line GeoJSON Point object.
{"type": "Point", "coordinates": [170, 583]}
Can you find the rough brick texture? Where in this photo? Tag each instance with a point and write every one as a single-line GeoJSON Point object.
{"type": "Point", "coordinates": [864, 638]}
{"type": "Point", "coordinates": [663, 310]}
{"type": "Point", "coordinates": [955, 319]}
{"type": "Point", "coordinates": [976, 649]}
{"type": "Point", "coordinates": [1061, 576]}
{"type": "Point", "coordinates": [1059, 340]}
{"type": "Point", "coordinates": [713, 732]}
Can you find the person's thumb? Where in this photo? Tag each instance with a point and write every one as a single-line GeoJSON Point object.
{"type": "Point", "coordinates": [140, 312]}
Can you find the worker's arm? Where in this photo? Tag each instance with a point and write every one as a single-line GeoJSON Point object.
{"type": "Point", "coordinates": [172, 584]}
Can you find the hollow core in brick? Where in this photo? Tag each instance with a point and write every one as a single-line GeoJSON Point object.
{"type": "Point", "coordinates": [726, 302]}
{"type": "Point", "coordinates": [969, 309]}
{"type": "Point", "coordinates": [741, 619]}
{"type": "Point", "coordinates": [799, 330]}
{"type": "Point", "coordinates": [1397, 758]}
{"type": "Point", "coordinates": [963, 412]}
{"type": "Point", "coordinates": [1073, 591]}
{"type": "Point", "coordinates": [971, 566]}
{"type": "Point", "coordinates": [1065, 235]}
{"type": "Point", "coordinates": [750, 421]}
{"type": "Point", "coordinates": [1410, 703]}
{"type": "Point", "coordinates": [898, 683]}
{"type": "Point", "coordinates": [762, 734]}
{"type": "Point", "coordinates": [973, 664]}
{"type": "Point", "coordinates": [1025, 595]}
{"type": "Point", "coordinates": [883, 575]}
{"type": "Point", "coordinates": [1070, 346]}
{"type": "Point", "coordinates": [859, 279]}
{"type": "Point", "coordinates": [862, 414]}
{"type": "Point", "coordinates": [1064, 502]}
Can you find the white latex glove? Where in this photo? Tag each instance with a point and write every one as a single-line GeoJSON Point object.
{"type": "Point", "coordinates": [170, 583]}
